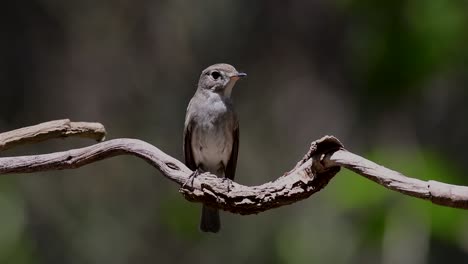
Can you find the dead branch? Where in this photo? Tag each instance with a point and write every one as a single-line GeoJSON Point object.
{"type": "Point", "coordinates": [310, 175]}
{"type": "Point", "coordinates": [437, 192]}
{"type": "Point", "coordinates": [52, 129]}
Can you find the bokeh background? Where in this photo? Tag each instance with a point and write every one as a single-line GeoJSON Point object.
{"type": "Point", "coordinates": [389, 78]}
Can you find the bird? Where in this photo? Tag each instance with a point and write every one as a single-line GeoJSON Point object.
{"type": "Point", "coordinates": [211, 132]}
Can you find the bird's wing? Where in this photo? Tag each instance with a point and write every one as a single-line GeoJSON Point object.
{"type": "Point", "coordinates": [188, 155]}
{"type": "Point", "coordinates": [232, 163]}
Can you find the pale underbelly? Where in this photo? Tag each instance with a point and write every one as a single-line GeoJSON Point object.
{"type": "Point", "coordinates": [212, 148]}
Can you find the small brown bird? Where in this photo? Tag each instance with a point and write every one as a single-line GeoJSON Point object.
{"type": "Point", "coordinates": [211, 133]}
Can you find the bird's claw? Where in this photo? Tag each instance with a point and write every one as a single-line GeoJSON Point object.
{"type": "Point", "coordinates": [229, 183]}
{"type": "Point", "coordinates": [192, 177]}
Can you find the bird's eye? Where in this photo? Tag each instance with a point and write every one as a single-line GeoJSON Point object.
{"type": "Point", "coordinates": [215, 75]}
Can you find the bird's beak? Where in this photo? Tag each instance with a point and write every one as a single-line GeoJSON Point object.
{"type": "Point", "coordinates": [238, 76]}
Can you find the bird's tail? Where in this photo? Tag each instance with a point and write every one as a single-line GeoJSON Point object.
{"type": "Point", "coordinates": [210, 221]}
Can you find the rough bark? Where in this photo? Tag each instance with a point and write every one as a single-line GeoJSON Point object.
{"type": "Point", "coordinates": [311, 174]}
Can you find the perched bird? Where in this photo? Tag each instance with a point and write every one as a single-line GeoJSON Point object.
{"type": "Point", "coordinates": [211, 132]}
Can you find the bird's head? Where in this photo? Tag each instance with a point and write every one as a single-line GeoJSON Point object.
{"type": "Point", "coordinates": [220, 78]}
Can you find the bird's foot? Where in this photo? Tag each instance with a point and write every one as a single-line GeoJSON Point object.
{"type": "Point", "coordinates": [192, 177]}
{"type": "Point", "coordinates": [229, 183]}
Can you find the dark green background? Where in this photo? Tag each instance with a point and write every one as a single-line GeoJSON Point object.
{"type": "Point", "coordinates": [389, 78]}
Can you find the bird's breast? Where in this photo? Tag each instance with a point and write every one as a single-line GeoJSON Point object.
{"type": "Point", "coordinates": [212, 140]}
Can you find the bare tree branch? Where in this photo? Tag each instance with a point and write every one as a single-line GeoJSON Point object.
{"type": "Point", "coordinates": [300, 183]}
{"type": "Point", "coordinates": [310, 175]}
{"type": "Point", "coordinates": [51, 129]}
{"type": "Point", "coordinates": [437, 192]}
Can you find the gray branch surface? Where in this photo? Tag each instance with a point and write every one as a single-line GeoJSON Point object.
{"type": "Point", "coordinates": [311, 174]}
{"type": "Point", "coordinates": [51, 129]}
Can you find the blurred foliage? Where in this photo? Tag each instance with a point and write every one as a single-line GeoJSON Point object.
{"type": "Point", "coordinates": [388, 78]}
{"type": "Point", "coordinates": [180, 217]}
